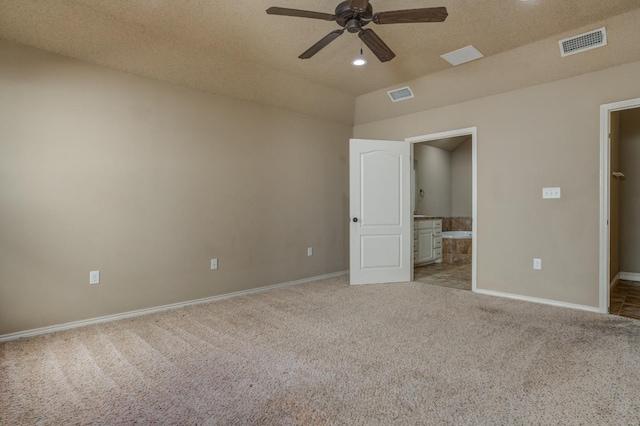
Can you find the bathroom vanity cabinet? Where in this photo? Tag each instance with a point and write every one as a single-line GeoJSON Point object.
{"type": "Point", "coordinates": [427, 241]}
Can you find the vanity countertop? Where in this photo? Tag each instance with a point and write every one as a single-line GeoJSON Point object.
{"type": "Point", "coordinates": [425, 217]}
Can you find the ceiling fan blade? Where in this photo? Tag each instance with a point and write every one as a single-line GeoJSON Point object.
{"type": "Point", "coordinates": [430, 14]}
{"type": "Point", "coordinates": [321, 44]}
{"type": "Point", "coordinates": [377, 46]}
{"type": "Point", "coordinates": [282, 11]}
{"type": "Point", "coordinates": [359, 5]}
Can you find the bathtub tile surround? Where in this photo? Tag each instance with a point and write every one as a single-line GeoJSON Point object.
{"type": "Point", "coordinates": [457, 224]}
{"type": "Point", "coordinates": [456, 251]}
{"type": "Point", "coordinates": [462, 246]}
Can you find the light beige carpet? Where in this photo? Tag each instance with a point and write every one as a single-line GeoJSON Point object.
{"type": "Point", "coordinates": [327, 353]}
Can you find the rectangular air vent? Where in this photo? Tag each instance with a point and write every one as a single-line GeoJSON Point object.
{"type": "Point", "coordinates": [400, 94]}
{"type": "Point", "coordinates": [462, 56]}
{"type": "Point", "coordinates": [583, 42]}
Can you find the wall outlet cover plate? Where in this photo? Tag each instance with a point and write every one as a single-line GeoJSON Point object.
{"type": "Point", "coordinates": [550, 193]}
{"type": "Point", "coordinates": [537, 264]}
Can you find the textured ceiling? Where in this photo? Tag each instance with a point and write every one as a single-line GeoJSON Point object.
{"type": "Point", "coordinates": [198, 43]}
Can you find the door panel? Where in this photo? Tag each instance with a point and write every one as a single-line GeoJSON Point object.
{"type": "Point", "coordinates": [381, 243]}
{"type": "Point", "coordinates": [380, 251]}
{"type": "Point", "coordinates": [381, 194]}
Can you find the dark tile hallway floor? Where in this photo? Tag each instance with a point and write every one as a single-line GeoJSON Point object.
{"type": "Point", "coordinates": [625, 299]}
{"type": "Point", "coordinates": [444, 275]}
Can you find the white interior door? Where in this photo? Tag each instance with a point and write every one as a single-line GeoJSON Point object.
{"type": "Point", "coordinates": [380, 203]}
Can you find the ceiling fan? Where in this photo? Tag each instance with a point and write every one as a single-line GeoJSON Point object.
{"type": "Point", "coordinates": [353, 15]}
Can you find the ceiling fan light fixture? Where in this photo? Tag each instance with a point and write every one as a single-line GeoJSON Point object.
{"type": "Point", "coordinates": [359, 61]}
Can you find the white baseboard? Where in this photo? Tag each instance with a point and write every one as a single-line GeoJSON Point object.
{"type": "Point", "coordinates": [614, 282]}
{"type": "Point", "coordinates": [629, 276]}
{"type": "Point", "coordinates": [538, 300]}
{"type": "Point", "coordinates": [130, 314]}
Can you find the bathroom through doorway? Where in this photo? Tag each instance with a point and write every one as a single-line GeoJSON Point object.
{"type": "Point", "coordinates": [444, 208]}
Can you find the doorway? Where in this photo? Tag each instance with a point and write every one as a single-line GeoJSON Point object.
{"type": "Point", "coordinates": [445, 207]}
{"type": "Point", "coordinates": [619, 198]}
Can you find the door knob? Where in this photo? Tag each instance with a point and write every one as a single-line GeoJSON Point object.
{"type": "Point", "coordinates": [355, 219]}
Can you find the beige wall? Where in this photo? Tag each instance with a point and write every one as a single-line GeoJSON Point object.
{"type": "Point", "coordinates": [541, 136]}
{"type": "Point", "coordinates": [630, 190]}
{"type": "Point", "coordinates": [445, 177]}
{"type": "Point", "coordinates": [434, 177]}
{"type": "Point", "coordinates": [614, 195]}
{"type": "Point", "coordinates": [146, 182]}
{"type": "Point", "coordinates": [462, 180]}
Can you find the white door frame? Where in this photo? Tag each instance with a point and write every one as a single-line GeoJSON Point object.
{"type": "Point", "coordinates": [605, 182]}
{"type": "Point", "coordinates": [473, 132]}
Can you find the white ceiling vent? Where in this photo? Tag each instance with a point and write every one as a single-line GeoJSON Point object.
{"type": "Point", "coordinates": [583, 42]}
{"type": "Point", "coordinates": [462, 56]}
{"type": "Point", "coordinates": [401, 94]}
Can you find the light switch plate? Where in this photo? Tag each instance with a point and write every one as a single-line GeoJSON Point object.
{"type": "Point", "coordinates": [214, 264]}
{"type": "Point", "coordinates": [550, 192]}
{"type": "Point", "coordinates": [94, 277]}
{"type": "Point", "coordinates": [537, 264]}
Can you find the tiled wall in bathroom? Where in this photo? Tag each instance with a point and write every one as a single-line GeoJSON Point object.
{"type": "Point", "coordinates": [457, 224]}
{"type": "Point", "coordinates": [456, 252]}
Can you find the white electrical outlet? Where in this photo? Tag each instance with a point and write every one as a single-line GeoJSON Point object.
{"type": "Point", "coordinates": [214, 264]}
{"type": "Point", "coordinates": [550, 192]}
{"type": "Point", "coordinates": [94, 277]}
{"type": "Point", "coordinates": [537, 264]}
{"type": "Point", "coordinates": [310, 251]}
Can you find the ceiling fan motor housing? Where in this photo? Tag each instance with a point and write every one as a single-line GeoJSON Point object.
{"type": "Point", "coordinates": [352, 20]}
{"type": "Point", "coordinates": [353, 26]}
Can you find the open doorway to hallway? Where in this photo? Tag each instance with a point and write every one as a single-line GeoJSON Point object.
{"type": "Point", "coordinates": [624, 212]}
